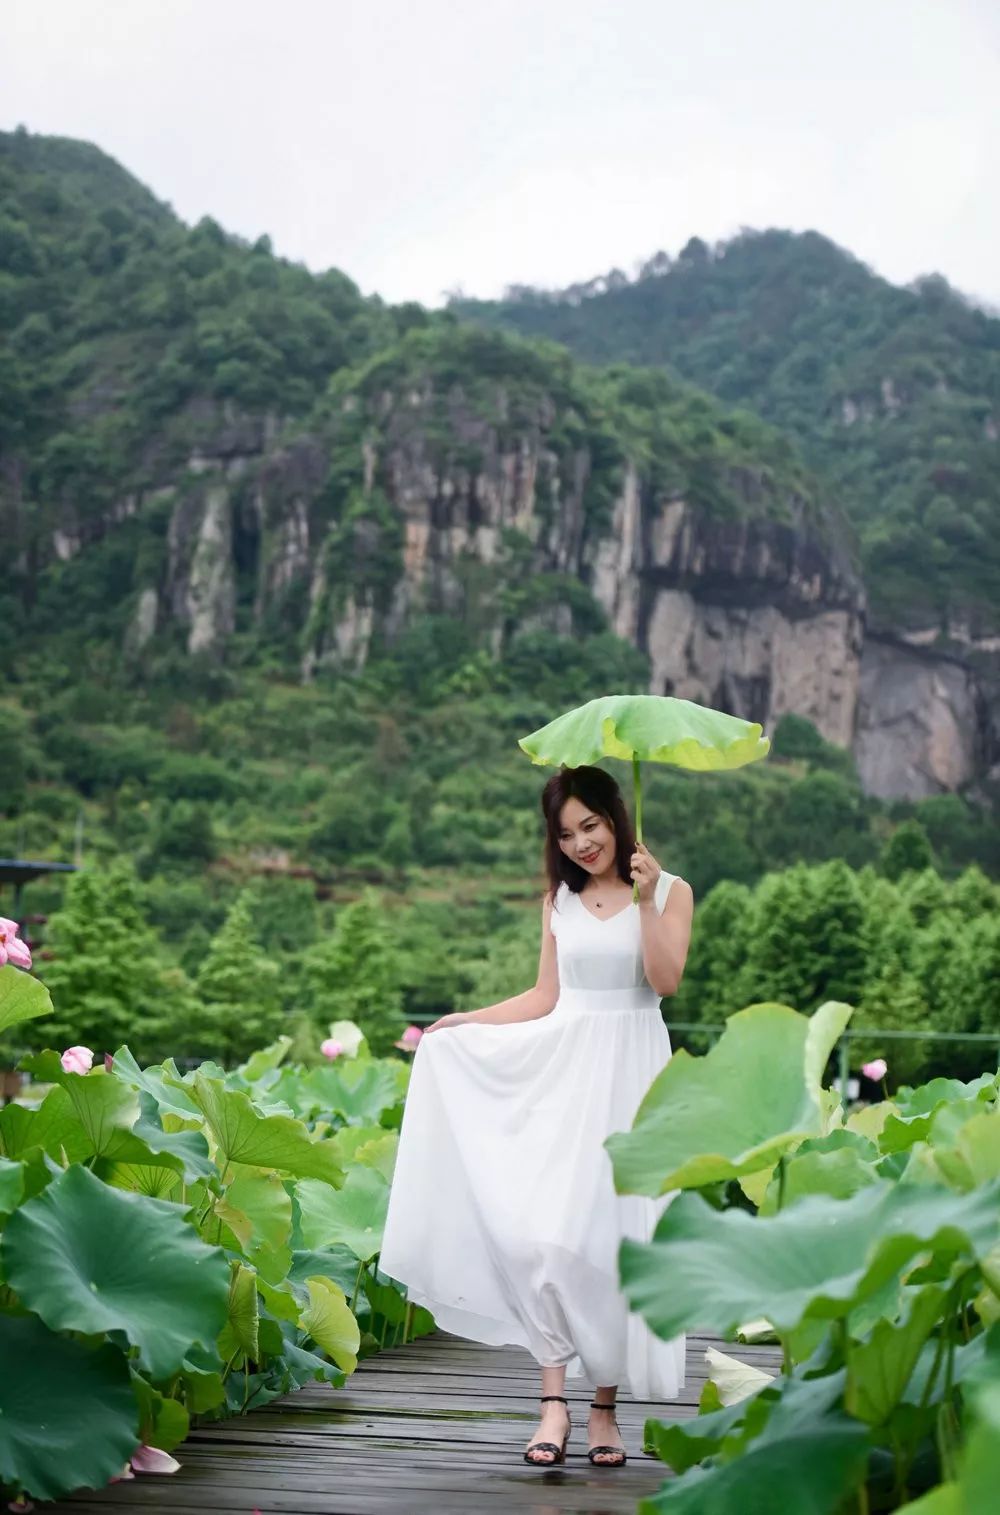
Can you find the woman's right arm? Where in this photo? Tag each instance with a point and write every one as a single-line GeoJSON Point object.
{"type": "Point", "coordinates": [529, 1006]}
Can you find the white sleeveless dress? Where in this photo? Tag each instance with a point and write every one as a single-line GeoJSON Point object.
{"type": "Point", "coordinates": [503, 1219]}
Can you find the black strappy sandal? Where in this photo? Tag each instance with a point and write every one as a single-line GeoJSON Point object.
{"type": "Point", "coordinates": [558, 1453]}
{"type": "Point", "coordinates": [619, 1452]}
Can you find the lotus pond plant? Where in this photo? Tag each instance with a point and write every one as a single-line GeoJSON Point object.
{"type": "Point", "coordinates": [180, 1246]}
{"type": "Point", "coordinates": [865, 1242]}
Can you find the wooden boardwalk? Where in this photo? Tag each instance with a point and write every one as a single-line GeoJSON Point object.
{"type": "Point", "coordinates": [438, 1425]}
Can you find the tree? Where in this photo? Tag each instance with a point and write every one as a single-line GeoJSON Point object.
{"type": "Point", "coordinates": [510, 968]}
{"type": "Point", "coordinates": [238, 1005]}
{"type": "Point", "coordinates": [907, 851]}
{"type": "Point", "coordinates": [353, 974]}
{"type": "Point", "coordinates": [892, 998]}
{"type": "Point", "coordinates": [711, 987]}
{"type": "Point", "coordinates": [806, 938]}
{"type": "Point", "coordinates": [108, 980]}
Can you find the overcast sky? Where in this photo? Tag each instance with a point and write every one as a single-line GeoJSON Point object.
{"type": "Point", "coordinates": [424, 145]}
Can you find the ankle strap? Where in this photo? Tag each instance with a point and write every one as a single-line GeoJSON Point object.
{"type": "Point", "coordinates": [560, 1397]}
{"type": "Point", "coordinates": [595, 1406]}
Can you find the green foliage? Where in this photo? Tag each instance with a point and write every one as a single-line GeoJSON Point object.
{"type": "Point", "coordinates": [68, 1413]}
{"type": "Point", "coordinates": [703, 1105]}
{"type": "Point", "coordinates": [149, 1285]}
{"type": "Point", "coordinates": [353, 974]}
{"type": "Point", "coordinates": [890, 393]}
{"type": "Point", "coordinates": [873, 1260]}
{"type": "Point", "coordinates": [918, 955]}
{"type": "Point", "coordinates": [238, 1002]}
{"type": "Point", "coordinates": [105, 971]}
{"type": "Point", "coordinates": [135, 346]}
{"type": "Point", "coordinates": [907, 850]}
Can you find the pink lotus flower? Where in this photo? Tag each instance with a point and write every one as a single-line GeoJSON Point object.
{"type": "Point", "coordinates": [109, 1062]}
{"type": "Point", "coordinates": [146, 1460]}
{"type": "Point", "coordinates": [330, 1048]}
{"type": "Point", "coordinates": [876, 1070]}
{"type": "Point", "coordinates": [12, 949]}
{"type": "Point", "coordinates": [77, 1060]}
{"type": "Point", "coordinates": [152, 1460]}
{"type": "Point", "coordinates": [408, 1041]}
{"type": "Point", "coordinates": [19, 1505]}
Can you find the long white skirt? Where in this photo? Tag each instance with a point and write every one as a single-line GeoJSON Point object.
{"type": "Point", "coordinates": [503, 1219]}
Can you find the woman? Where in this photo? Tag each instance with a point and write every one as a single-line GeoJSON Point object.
{"type": "Point", "coordinates": [503, 1219]}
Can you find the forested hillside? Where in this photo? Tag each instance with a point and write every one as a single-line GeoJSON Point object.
{"type": "Point", "coordinates": [287, 572]}
{"type": "Point", "coordinates": [893, 395]}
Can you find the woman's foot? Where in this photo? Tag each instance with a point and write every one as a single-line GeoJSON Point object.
{"type": "Point", "coordinates": [552, 1427]}
{"type": "Point", "coordinates": [602, 1431]}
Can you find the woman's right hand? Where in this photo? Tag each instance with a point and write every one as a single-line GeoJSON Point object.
{"type": "Point", "coordinates": [456, 1018]}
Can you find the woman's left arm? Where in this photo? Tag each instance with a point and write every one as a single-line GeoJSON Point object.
{"type": "Point", "coordinates": [666, 937]}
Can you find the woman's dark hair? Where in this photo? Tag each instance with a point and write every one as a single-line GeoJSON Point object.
{"type": "Point", "coordinates": [599, 792]}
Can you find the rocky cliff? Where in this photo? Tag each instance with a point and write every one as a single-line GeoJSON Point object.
{"type": "Point", "coordinates": [759, 615]}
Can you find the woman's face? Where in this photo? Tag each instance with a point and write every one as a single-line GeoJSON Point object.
{"type": "Point", "coordinates": [586, 837]}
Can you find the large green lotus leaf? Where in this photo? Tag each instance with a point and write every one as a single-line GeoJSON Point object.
{"type": "Point", "coordinates": [305, 1366]}
{"type": "Point", "coordinates": [163, 1422]}
{"type": "Point", "coordinates": [163, 1084]}
{"type": "Point", "coordinates": [262, 1141]}
{"type": "Point", "coordinates": [870, 1120]}
{"type": "Point", "coordinates": [372, 1146]}
{"type": "Point", "coordinates": [280, 1300]}
{"type": "Point", "coordinates": [795, 1440]}
{"type": "Point", "coordinates": [657, 728]}
{"type": "Point", "coordinates": [91, 1258]}
{"type": "Point", "coordinates": [184, 1150]}
{"type": "Point", "coordinates": [385, 1299]}
{"type": "Point", "coordinates": [144, 1178]}
{"type": "Point", "coordinates": [106, 1108]}
{"type": "Point", "coordinates": [972, 1156]}
{"type": "Point", "coordinates": [941, 1106]}
{"type": "Point", "coordinates": [879, 1368]}
{"type": "Point", "coordinates": [122, 1123]}
{"type": "Point", "coordinates": [353, 1216]}
{"type": "Point", "coordinates": [22, 998]}
{"type": "Point", "coordinates": [357, 1091]}
{"type": "Point", "coordinates": [257, 1208]}
{"type": "Point", "coordinates": [338, 1263]}
{"type": "Point", "coordinates": [68, 1417]}
{"type": "Point", "coordinates": [240, 1330]}
{"type": "Point", "coordinates": [54, 1128]}
{"type": "Point", "coordinates": [265, 1060]}
{"type": "Point", "coordinates": [682, 1444]}
{"type": "Point", "coordinates": [927, 1098]}
{"type": "Point", "coordinates": [821, 1258]}
{"type": "Point", "coordinates": [837, 1165]}
{"type": "Point", "coordinates": [201, 1374]}
{"type": "Point", "coordinates": [735, 1110]}
{"type": "Point", "coordinates": [11, 1185]}
{"type": "Point", "coordinates": [331, 1325]}
{"type": "Point", "coordinates": [900, 1134]}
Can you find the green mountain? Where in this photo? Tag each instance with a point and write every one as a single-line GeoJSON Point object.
{"type": "Point", "coordinates": [892, 394]}
{"type": "Point", "coordinates": [288, 571]}
{"type": "Point", "coordinates": [207, 447]}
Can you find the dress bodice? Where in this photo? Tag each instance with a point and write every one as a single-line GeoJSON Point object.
{"type": "Point", "coordinates": [600, 961]}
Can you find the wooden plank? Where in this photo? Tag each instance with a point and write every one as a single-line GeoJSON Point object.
{"type": "Point", "coordinates": [438, 1425]}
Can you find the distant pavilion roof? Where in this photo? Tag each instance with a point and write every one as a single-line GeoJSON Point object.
{"type": "Point", "coordinates": [16, 870]}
